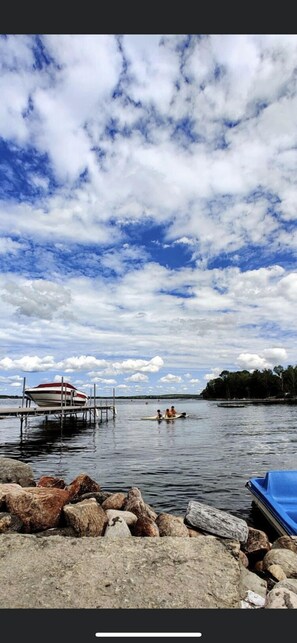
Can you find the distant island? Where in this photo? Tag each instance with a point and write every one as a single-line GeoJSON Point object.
{"type": "Point", "coordinates": [278, 382]}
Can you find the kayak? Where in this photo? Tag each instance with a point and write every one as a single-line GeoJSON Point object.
{"type": "Point", "coordinates": [155, 417]}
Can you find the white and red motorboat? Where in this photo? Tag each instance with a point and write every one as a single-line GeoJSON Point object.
{"type": "Point", "coordinates": [56, 394]}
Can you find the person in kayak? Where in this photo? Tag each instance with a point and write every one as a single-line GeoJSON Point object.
{"type": "Point", "coordinates": [173, 412]}
{"type": "Point", "coordinates": [159, 414]}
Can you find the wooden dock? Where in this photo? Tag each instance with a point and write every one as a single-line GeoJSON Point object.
{"type": "Point", "coordinates": [91, 412]}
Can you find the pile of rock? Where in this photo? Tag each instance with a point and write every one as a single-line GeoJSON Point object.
{"type": "Point", "coordinates": [50, 507]}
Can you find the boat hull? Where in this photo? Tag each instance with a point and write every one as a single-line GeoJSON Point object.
{"type": "Point", "coordinates": [54, 394]}
{"type": "Point", "coordinates": [275, 495]}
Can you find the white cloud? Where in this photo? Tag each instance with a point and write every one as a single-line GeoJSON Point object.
{"type": "Point", "coordinates": [28, 363]}
{"type": "Point", "coordinates": [137, 377]}
{"type": "Point", "coordinates": [7, 245]}
{"type": "Point", "coordinates": [213, 375]}
{"type": "Point", "coordinates": [37, 298]}
{"type": "Point", "coordinates": [171, 378]}
{"type": "Point", "coordinates": [252, 361]}
{"type": "Point", "coordinates": [276, 354]}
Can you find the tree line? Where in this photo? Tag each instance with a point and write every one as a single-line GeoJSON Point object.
{"type": "Point", "coordinates": [276, 382]}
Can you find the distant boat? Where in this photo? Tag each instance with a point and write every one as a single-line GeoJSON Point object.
{"type": "Point", "coordinates": [275, 495]}
{"type": "Point", "coordinates": [231, 405]}
{"type": "Point", "coordinates": [56, 394]}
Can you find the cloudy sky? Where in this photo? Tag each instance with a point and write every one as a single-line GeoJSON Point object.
{"type": "Point", "coordinates": [148, 209]}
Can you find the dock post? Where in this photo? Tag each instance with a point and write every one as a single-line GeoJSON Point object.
{"type": "Point", "coordinates": [24, 386]}
{"type": "Point", "coordinates": [95, 407]}
{"type": "Point", "coordinates": [62, 392]}
{"type": "Point", "coordinates": [113, 402]}
{"type": "Point", "coordinates": [90, 409]}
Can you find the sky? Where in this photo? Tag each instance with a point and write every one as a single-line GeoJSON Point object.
{"type": "Point", "coordinates": [147, 209]}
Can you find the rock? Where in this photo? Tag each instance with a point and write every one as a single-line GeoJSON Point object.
{"type": "Point", "coordinates": [215, 521]}
{"type": "Point", "coordinates": [286, 542]}
{"type": "Point", "coordinates": [51, 481]}
{"type": "Point", "coordinates": [257, 544]}
{"type": "Point", "coordinates": [252, 601]}
{"type": "Point", "coordinates": [193, 533]}
{"type": "Point", "coordinates": [276, 572]}
{"type": "Point", "coordinates": [99, 496]}
{"type": "Point", "coordinates": [145, 527]}
{"type": "Point", "coordinates": [12, 470]}
{"type": "Point", "coordinates": [86, 517]}
{"type": "Point", "coordinates": [286, 558]}
{"type": "Point", "coordinates": [82, 484]}
{"type": "Point", "coordinates": [288, 583]}
{"type": "Point", "coordinates": [37, 507]}
{"type": "Point", "coordinates": [128, 516]}
{"type": "Point", "coordinates": [243, 558]}
{"type": "Point", "coordinates": [7, 488]}
{"type": "Point", "coordinates": [9, 522]}
{"type": "Point", "coordinates": [281, 598]}
{"type": "Point", "coordinates": [232, 545]}
{"type": "Point", "coordinates": [251, 582]}
{"type": "Point", "coordinates": [117, 528]}
{"type": "Point", "coordinates": [171, 526]}
{"type": "Point", "coordinates": [134, 502]}
{"type": "Point", "coordinates": [114, 501]}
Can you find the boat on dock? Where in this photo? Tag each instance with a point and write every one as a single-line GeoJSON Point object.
{"type": "Point", "coordinates": [55, 394]}
{"type": "Point", "coordinates": [275, 495]}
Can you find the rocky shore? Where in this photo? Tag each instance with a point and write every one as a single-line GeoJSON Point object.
{"type": "Point", "coordinates": [75, 545]}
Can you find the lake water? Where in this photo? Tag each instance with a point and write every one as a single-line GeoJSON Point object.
{"type": "Point", "coordinates": [207, 457]}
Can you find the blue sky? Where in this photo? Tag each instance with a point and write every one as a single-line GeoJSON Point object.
{"type": "Point", "coordinates": [147, 209]}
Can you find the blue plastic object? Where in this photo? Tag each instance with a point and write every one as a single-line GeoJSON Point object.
{"type": "Point", "coordinates": [276, 496]}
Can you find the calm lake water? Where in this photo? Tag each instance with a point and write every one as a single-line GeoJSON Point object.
{"type": "Point", "coordinates": [207, 457]}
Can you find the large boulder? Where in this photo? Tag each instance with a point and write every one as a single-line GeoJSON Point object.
{"type": "Point", "coordinates": [37, 507]}
{"type": "Point", "coordinates": [12, 470]}
{"type": "Point", "coordinates": [87, 518]}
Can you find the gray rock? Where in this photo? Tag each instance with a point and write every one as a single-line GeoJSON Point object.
{"type": "Point", "coordinates": [117, 528]}
{"type": "Point", "coordinates": [12, 470]}
{"type": "Point", "coordinates": [128, 516]}
{"type": "Point", "coordinates": [281, 598]}
{"type": "Point", "coordinates": [285, 558]}
{"type": "Point", "coordinates": [215, 521]}
{"type": "Point", "coordinates": [288, 583]}
{"type": "Point", "coordinates": [251, 582]}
